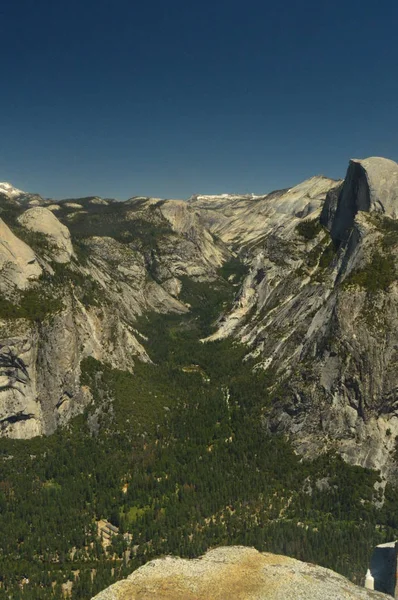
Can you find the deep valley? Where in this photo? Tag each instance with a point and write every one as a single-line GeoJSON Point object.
{"type": "Point", "coordinates": [181, 375]}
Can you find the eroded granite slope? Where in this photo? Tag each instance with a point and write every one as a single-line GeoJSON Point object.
{"type": "Point", "coordinates": [320, 308]}
{"type": "Point", "coordinates": [244, 222]}
{"type": "Point", "coordinates": [126, 260]}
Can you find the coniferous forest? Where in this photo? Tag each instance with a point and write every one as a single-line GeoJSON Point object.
{"type": "Point", "coordinates": [178, 458]}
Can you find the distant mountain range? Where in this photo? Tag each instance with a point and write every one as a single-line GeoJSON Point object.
{"type": "Point", "coordinates": [317, 306]}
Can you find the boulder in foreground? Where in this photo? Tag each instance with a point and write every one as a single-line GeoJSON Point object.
{"type": "Point", "coordinates": [235, 573]}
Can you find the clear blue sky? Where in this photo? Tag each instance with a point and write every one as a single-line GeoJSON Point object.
{"type": "Point", "coordinates": [173, 97]}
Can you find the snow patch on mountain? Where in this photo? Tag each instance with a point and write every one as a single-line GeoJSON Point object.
{"type": "Point", "coordinates": [9, 190]}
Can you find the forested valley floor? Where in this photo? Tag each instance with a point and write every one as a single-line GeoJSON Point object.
{"type": "Point", "coordinates": [177, 457]}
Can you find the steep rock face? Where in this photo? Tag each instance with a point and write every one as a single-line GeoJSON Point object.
{"type": "Point", "coordinates": [18, 406]}
{"type": "Point", "coordinates": [329, 207]}
{"type": "Point", "coordinates": [322, 314]}
{"type": "Point", "coordinates": [194, 253]}
{"type": "Point", "coordinates": [122, 272]}
{"type": "Point", "coordinates": [39, 367]}
{"type": "Point", "coordinates": [371, 185]}
{"type": "Point", "coordinates": [40, 363]}
{"type": "Point", "coordinates": [42, 220]}
{"type": "Point", "coordinates": [319, 310]}
{"type": "Point", "coordinates": [236, 573]}
{"type": "Point", "coordinates": [18, 262]}
{"type": "Point", "coordinates": [86, 304]}
{"type": "Point", "coordinates": [245, 221]}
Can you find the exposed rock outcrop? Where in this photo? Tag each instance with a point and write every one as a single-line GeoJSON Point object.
{"type": "Point", "coordinates": [197, 251]}
{"type": "Point", "coordinates": [371, 185]}
{"type": "Point", "coordinates": [319, 306]}
{"type": "Point", "coordinates": [40, 387]}
{"type": "Point", "coordinates": [42, 220]}
{"type": "Point", "coordinates": [322, 313]}
{"type": "Point", "coordinates": [98, 296]}
{"type": "Point", "coordinates": [243, 222]}
{"type": "Point", "coordinates": [18, 262]}
{"type": "Point", "coordinates": [235, 573]}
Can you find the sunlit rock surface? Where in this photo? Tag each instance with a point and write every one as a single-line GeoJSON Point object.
{"type": "Point", "coordinates": [42, 220]}
{"type": "Point", "coordinates": [234, 573]}
{"type": "Point", "coordinates": [18, 262]}
{"type": "Point", "coordinates": [371, 185]}
{"type": "Point", "coordinates": [303, 312]}
{"type": "Point", "coordinates": [100, 291]}
{"type": "Point", "coordinates": [246, 221]}
{"type": "Point", "coordinates": [329, 342]}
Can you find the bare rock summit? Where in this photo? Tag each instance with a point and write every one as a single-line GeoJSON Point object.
{"type": "Point", "coordinates": [235, 573]}
{"type": "Point", "coordinates": [42, 220]}
{"type": "Point", "coordinates": [371, 185]}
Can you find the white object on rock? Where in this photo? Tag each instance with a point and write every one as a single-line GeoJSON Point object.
{"type": "Point", "coordinates": [369, 580]}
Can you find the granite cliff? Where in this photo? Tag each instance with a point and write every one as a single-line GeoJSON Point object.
{"type": "Point", "coordinates": [317, 309]}
{"type": "Point", "coordinates": [165, 343]}
{"type": "Point", "coordinates": [74, 277]}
